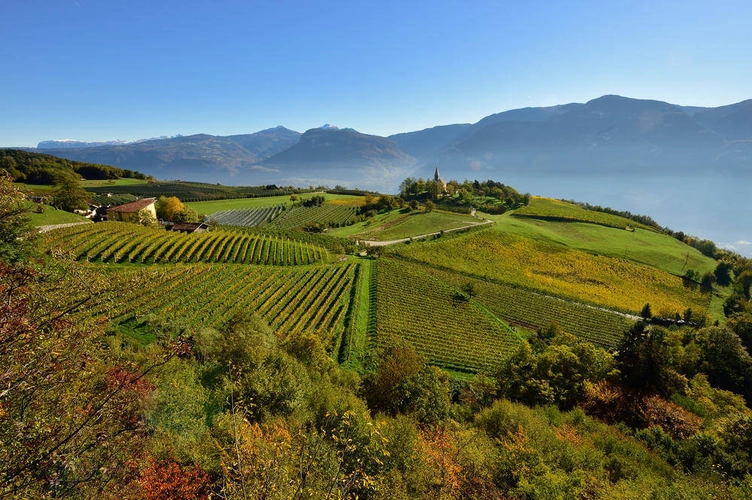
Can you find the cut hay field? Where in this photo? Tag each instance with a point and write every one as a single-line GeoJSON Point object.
{"type": "Point", "coordinates": [554, 269]}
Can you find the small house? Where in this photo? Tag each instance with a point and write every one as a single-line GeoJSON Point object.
{"type": "Point", "coordinates": [129, 211]}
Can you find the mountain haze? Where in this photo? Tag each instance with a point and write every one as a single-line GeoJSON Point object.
{"type": "Point", "coordinates": [340, 156]}
{"type": "Point", "coordinates": [607, 134]}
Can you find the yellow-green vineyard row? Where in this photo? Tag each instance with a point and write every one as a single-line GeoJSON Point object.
{"type": "Point", "coordinates": [417, 307]}
{"type": "Point", "coordinates": [123, 242]}
{"type": "Point", "coordinates": [531, 310]}
{"type": "Point", "coordinates": [292, 300]}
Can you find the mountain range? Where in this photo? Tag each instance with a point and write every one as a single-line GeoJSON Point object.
{"type": "Point", "coordinates": [610, 133]}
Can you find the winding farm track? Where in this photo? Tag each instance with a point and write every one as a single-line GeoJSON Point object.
{"type": "Point", "coordinates": [375, 243]}
{"type": "Point", "coordinates": [44, 229]}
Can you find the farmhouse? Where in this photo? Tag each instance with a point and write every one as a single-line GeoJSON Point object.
{"type": "Point", "coordinates": [129, 211]}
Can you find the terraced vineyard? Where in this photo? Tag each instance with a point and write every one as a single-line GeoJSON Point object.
{"type": "Point", "coordinates": [292, 300]}
{"type": "Point", "coordinates": [420, 308]}
{"type": "Point", "coordinates": [122, 242]}
{"type": "Point", "coordinates": [530, 310]}
{"type": "Point", "coordinates": [250, 217]}
{"type": "Point", "coordinates": [545, 208]}
{"type": "Point", "coordinates": [326, 215]}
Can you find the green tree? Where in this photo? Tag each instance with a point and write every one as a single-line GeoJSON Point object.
{"type": "Point", "coordinates": [741, 324]}
{"type": "Point", "coordinates": [723, 273]}
{"type": "Point", "coordinates": [645, 361]}
{"type": "Point", "coordinates": [554, 374]}
{"type": "Point", "coordinates": [707, 281]}
{"type": "Point", "coordinates": [646, 312]}
{"type": "Point", "coordinates": [70, 411]}
{"type": "Point", "coordinates": [146, 218]}
{"type": "Point", "coordinates": [16, 234]}
{"type": "Point", "coordinates": [69, 195]}
{"type": "Point", "coordinates": [725, 361]}
{"type": "Point", "coordinates": [404, 383]}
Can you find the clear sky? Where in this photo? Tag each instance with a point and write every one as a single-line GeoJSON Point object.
{"type": "Point", "coordinates": [131, 69]}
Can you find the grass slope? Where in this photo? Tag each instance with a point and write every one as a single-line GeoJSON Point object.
{"type": "Point", "coordinates": [646, 247]}
{"type": "Point", "coordinates": [553, 268]}
{"type": "Point", "coordinates": [54, 216]}
{"type": "Point", "coordinates": [547, 208]}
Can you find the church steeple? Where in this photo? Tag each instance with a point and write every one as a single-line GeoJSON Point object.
{"type": "Point", "coordinates": [437, 178]}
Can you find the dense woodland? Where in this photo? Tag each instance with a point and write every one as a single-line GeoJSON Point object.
{"type": "Point", "coordinates": [38, 168]}
{"type": "Point", "coordinates": [246, 410]}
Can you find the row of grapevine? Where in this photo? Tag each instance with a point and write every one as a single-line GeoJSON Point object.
{"type": "Point", "coordinates": [249, 217]}
{"type": "Point", "coordinates": [326, 215]}
{"type": "Point", "coordinates": [414, 306]}
{"type": "Point", "coordinates": [122, 242]}
{"type": "Point", "coordinates": [532, 310]}
{"type": "Point", "coordinates": [292, 300]}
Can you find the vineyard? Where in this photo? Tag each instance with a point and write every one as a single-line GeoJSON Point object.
{"type": "Point", "coordinates": [530, 310]}
{"type": "Point", "coordinates": [556, 270]}
{"type": "Point", "coordinates": [545, 208]}
{"type": "Point", "coordinates": [292, 300]}
{"type": "Point", "coordinates": [119, 242]}
{"type": "Point", "coordinates": [421, 309]}
{"type": "Point", "coordinates": [250, 217]}
{"type": "Point", "coordinates": [191, 191]}
{"type": "Point", "coordinates": [325, 215]}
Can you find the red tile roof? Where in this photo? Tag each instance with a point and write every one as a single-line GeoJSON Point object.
{"type": "Point", "coordinates": [133, 206]}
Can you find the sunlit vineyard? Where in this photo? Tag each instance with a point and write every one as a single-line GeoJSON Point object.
{"type": "Point", "coordinates": [292, 300]}
{"type": "Point", "coordinates": [531, 310]}
{"type": "Point", "coordinates": [120, 242]}
{"type": "Point", "coordinates": [545, 208]}
{"type": "Point", "coordinates": [415, 306]}
{"type": "Point", "coordinates": [325, 215]}
{"type": "Point", "coordinates": [553, 269]}
{"type": "Point", "coordinates": [250, 217]}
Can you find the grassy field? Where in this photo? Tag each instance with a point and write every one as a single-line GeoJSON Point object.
{"type": "Point", "coordinates": [643, 246]}
{"type": "Point", "coordinates": [552, 268]}
{"type": "Point", "coordinates": [421, 223]}
{"type": "Point", "coordinates": [53, 216]}
{"type": "Point", "coordinates": [548, 208]}
{"type": "Point", "coordinates": [112, 182]}
{"type": "Point", "coordinates": [209, 207]}
{"type": "Point", "coordinates": [396, 225]}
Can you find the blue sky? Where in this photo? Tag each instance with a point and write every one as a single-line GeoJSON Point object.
{"type": "Point", "coordinates": [117, 69]}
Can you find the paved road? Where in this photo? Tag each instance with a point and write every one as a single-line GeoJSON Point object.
{"type": "Point", "coordinates": [375, 243]}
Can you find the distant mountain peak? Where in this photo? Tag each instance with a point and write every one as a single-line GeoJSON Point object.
{"type": "Point", "coordinates": [328, 126]}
